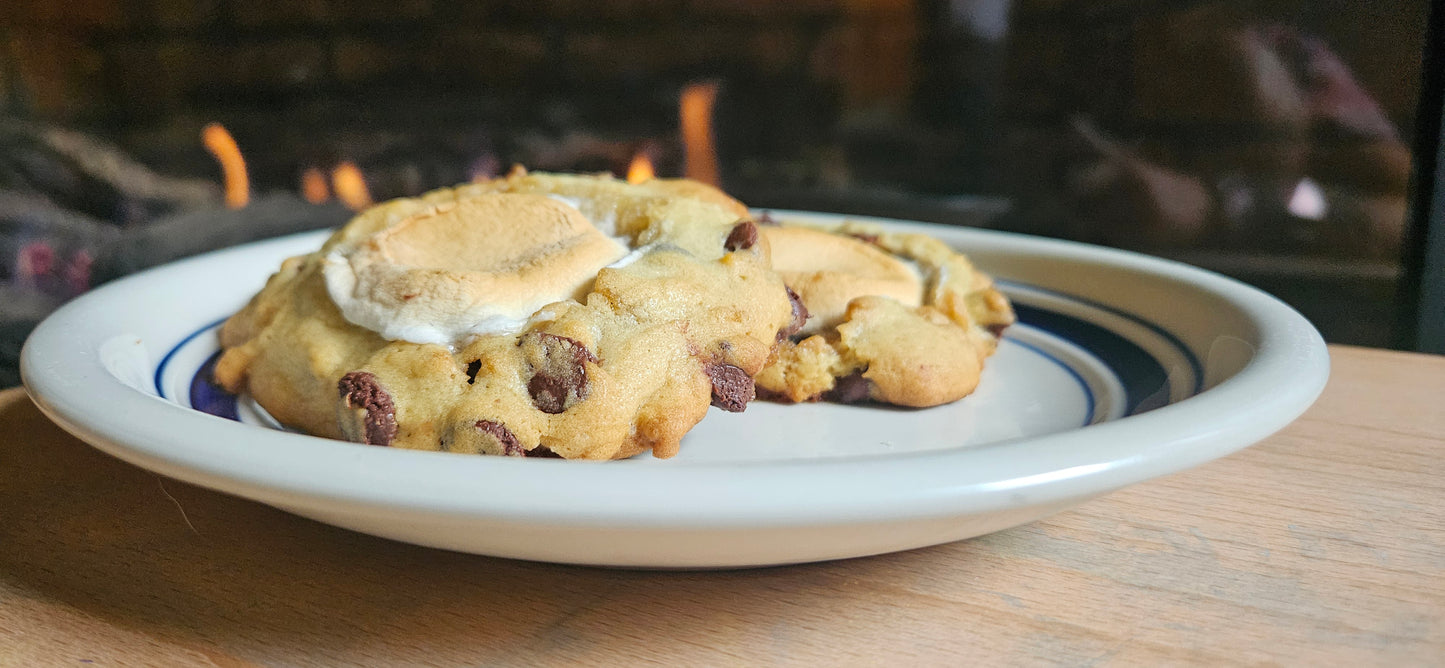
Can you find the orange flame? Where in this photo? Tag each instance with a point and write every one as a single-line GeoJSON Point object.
{"type": "Point", "coordinates": [233, 167]}
{"type": "Point", "coordinates": [350, 186]}
{"type": "Point", "coordinates": [641, 169]}
{"type": "Point", "coordinates": [695, 109]}
{"type": "Point", "coordinates": [313, 186]}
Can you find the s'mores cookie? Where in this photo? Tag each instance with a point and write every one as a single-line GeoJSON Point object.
{"type": "Point", "coordinates": [534, 315]}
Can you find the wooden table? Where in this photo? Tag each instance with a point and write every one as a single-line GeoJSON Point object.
{"type": "Point", "coordinates": [1323, 545]}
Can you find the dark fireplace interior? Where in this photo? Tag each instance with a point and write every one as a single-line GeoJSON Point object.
{"type": "Point", "coordinates": [1266, 140]}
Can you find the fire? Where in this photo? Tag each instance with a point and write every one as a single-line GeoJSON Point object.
{"type": "Point", "coordinates": [695, 109]}
{"type": "Point", "coordinates": [233, 167]}
{"type": "Point", "coordinates": [350, 186]}
{"type": "Point", "coordinates": [313, 186]}
{"type": "Point", "coordinates": [641, 169]}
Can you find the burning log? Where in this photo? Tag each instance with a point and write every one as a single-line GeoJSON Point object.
{"type": "Point", "coordinates": [183, 235]}
{"type": "Point", "coordinates": [75, 212]}
{"type": "Point", "coordinates": [82, 174]}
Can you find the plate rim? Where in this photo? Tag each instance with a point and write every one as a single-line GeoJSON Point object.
{"type": "Point", "coordinates": [1233, 414]}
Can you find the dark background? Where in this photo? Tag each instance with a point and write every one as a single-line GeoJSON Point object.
{"type": "Point", "coordinates": [1268, 140]}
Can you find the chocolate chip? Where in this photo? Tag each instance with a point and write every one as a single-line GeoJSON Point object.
{"type": "Point", "coordinates": [473, 368]}
{"type": "Point", "coordinates": [767, 219]}
{"type": "Point", "coordinates": [543, 452]}
{"type": "Point", "coordinates": [866, 238]}
{"type": "Point", "coordinates": [361, 390]}
{"type": "Point", "coordinates": [559, 372]}
{"type": "Point", "coordinates": [732, 388]}
{"type": "Point", "coordinates": [800, 315]}
{"type": "Point", "coordinates": [504, 436]}
{"type": "Point", "coordinates": [997, 329]}
{"type": "Point", "coordinates": [850, 389]}
{"type": "Point", "coordinates": [744, 235]}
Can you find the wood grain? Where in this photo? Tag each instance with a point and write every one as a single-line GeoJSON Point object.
{"type": "Point", "coordinates": [1323, 545]}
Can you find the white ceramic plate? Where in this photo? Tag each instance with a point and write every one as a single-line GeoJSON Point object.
{"type": "Point", "coordinates": [1123, 368]}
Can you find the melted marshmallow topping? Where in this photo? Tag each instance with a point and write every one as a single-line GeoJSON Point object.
{"type": "Point", "coordinates": [481, 265]}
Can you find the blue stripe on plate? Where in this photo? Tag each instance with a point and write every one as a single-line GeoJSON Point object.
{"type": "Point", "coordinates": [1145, 381]}
{"type": "Point", "coordinates": [1185, 351]}
{"type": "Point", "coordinates": [166, 361]}
{"type": "Point", "coordinates": [208, 397]}
{"type": "Point", "coordinates": [1144, 378]}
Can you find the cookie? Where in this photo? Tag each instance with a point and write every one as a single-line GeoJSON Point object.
{"type": "Point", "coordinates": [535, 315]}
{"type": "Point", "coordinates": [890, 317]}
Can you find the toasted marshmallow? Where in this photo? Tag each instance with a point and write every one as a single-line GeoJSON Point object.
{"type": "Point", "coordinates": [830, 270]}
{"type": "Point", "coordinates": [480, 265]}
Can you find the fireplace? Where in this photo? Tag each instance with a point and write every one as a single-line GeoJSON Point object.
{"type": "Point", "coordinates": [1268, 140]}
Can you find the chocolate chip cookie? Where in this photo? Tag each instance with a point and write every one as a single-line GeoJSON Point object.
{"type": "Point", "coordinates": [534, 315]}
{"type": "Point", "coordinates": [889, 317]}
